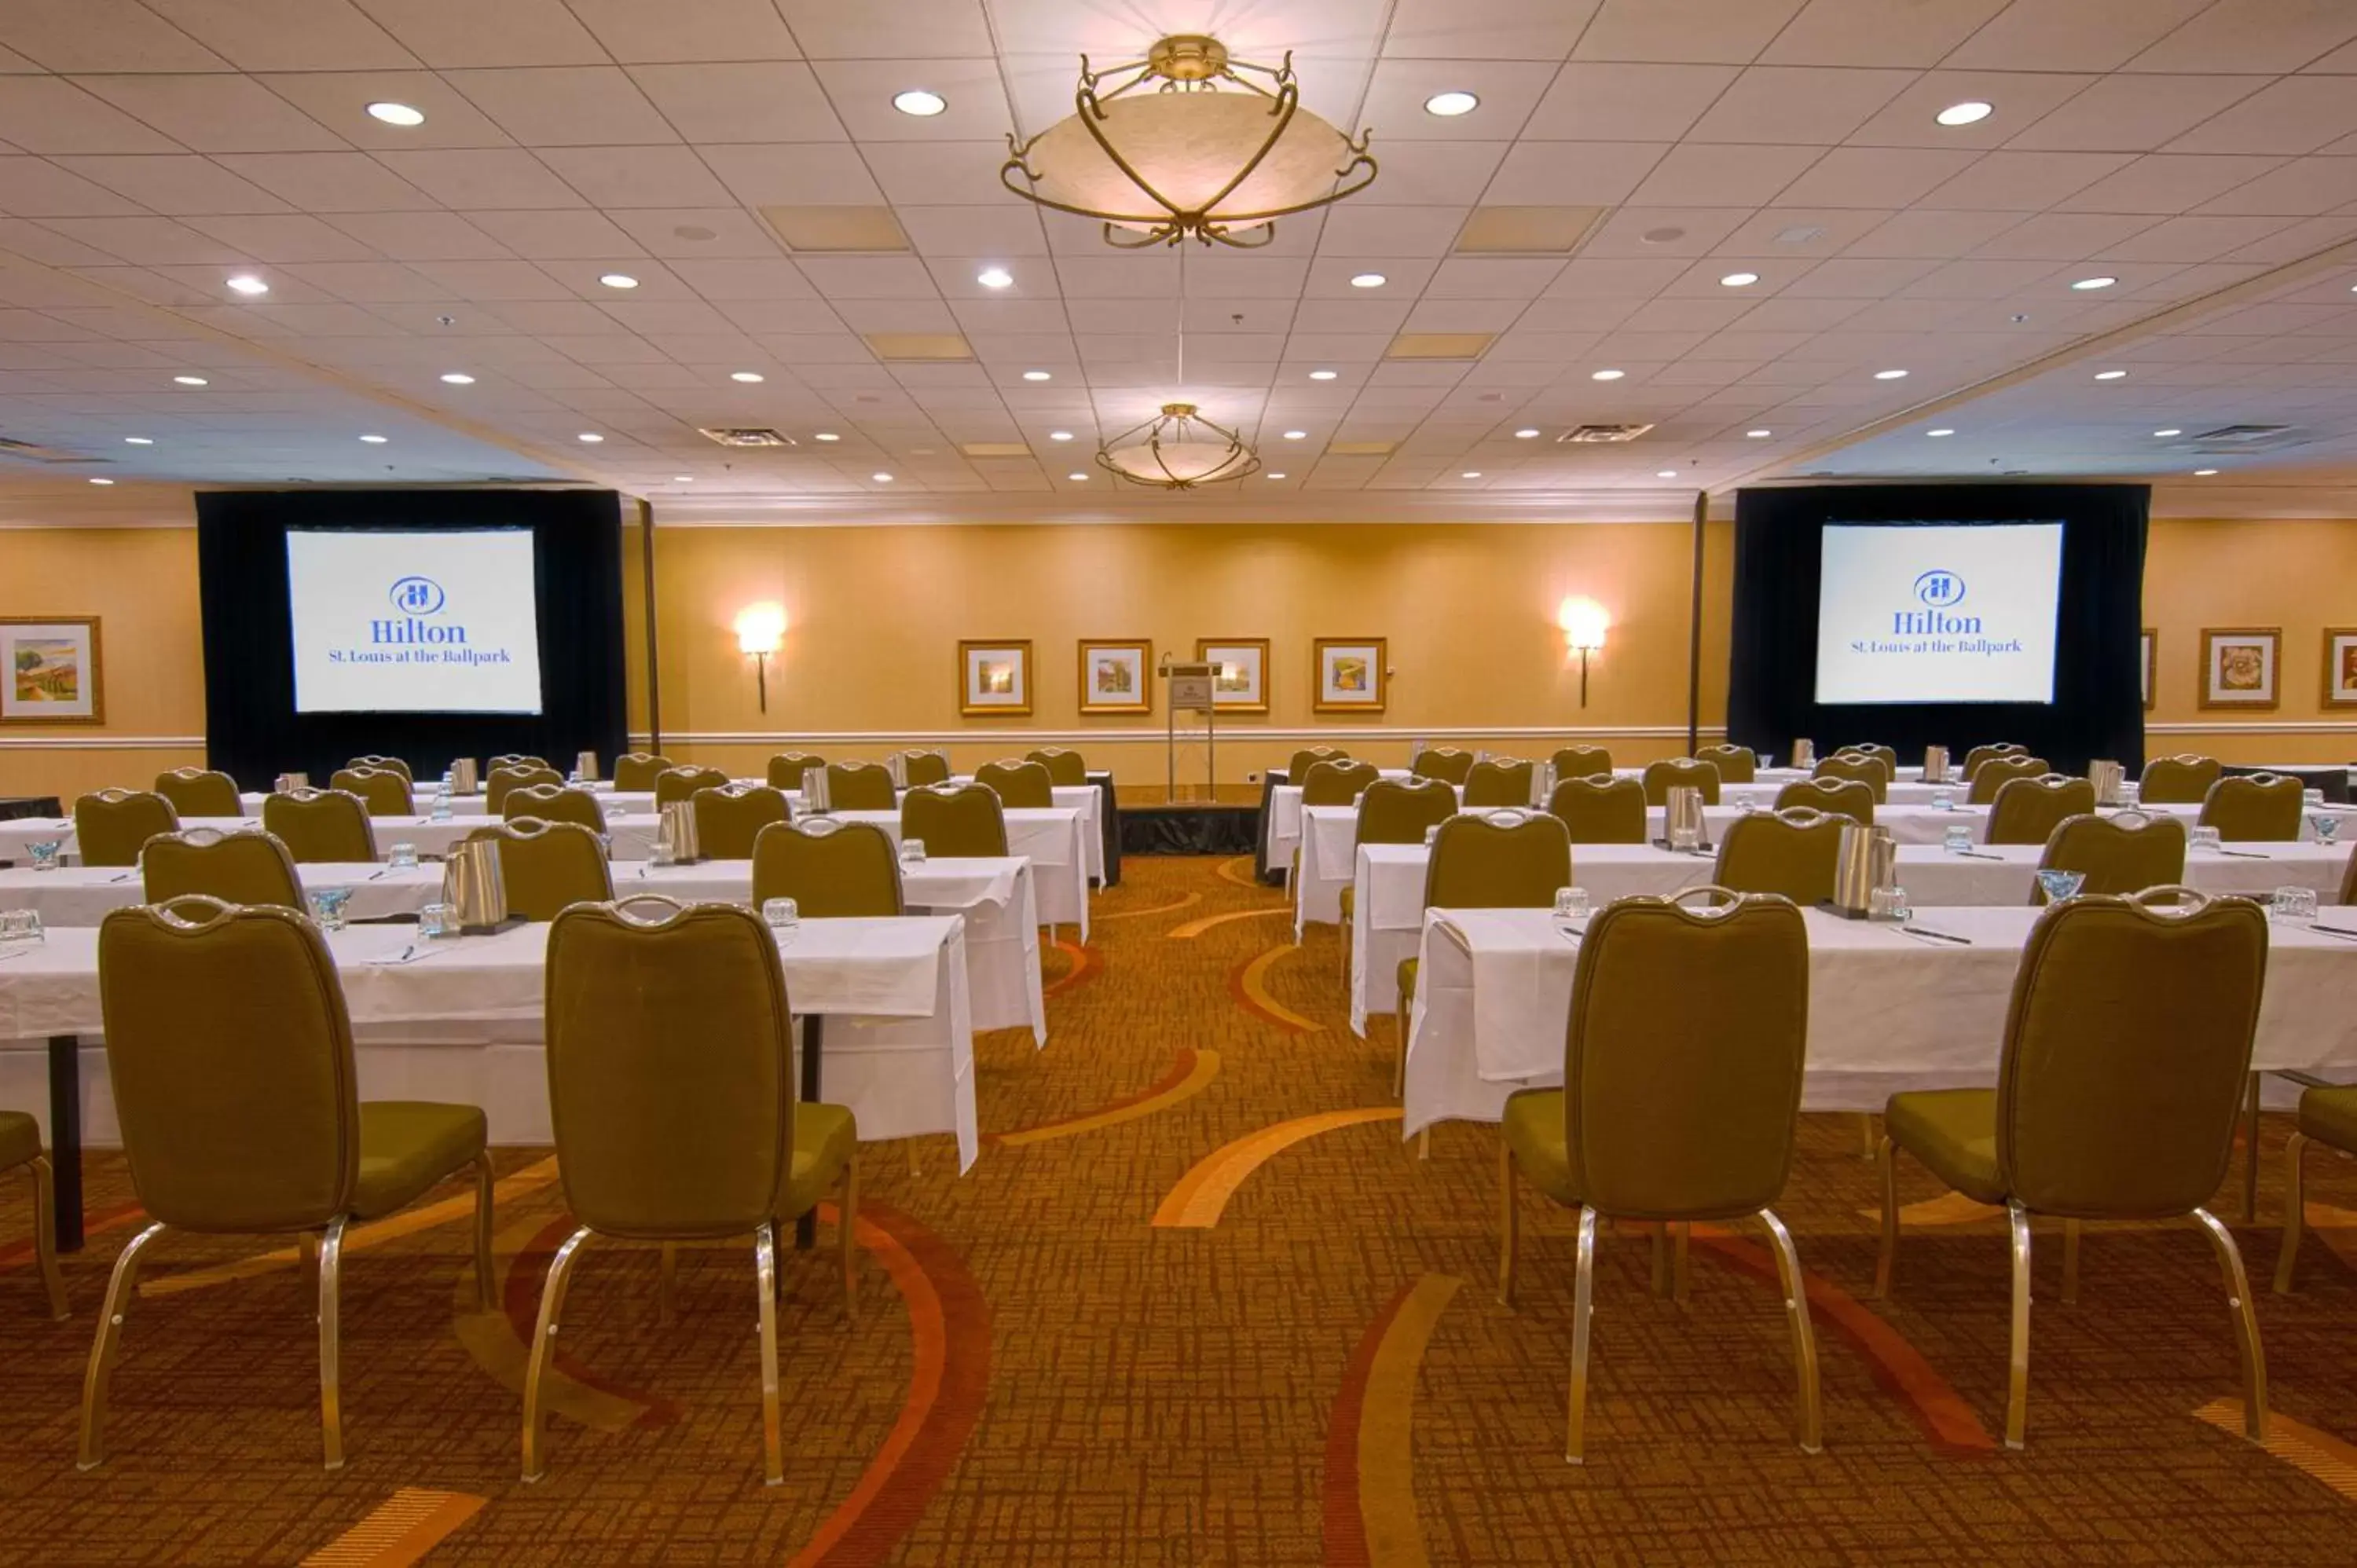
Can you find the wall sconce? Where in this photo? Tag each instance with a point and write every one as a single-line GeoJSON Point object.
{"type": "Point", "coordinates": [1585, 623]}
{"type": "Point", "coordinates": [759, 629]}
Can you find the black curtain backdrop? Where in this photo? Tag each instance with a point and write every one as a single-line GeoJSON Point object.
{"type": "Point", "coordinates": [252, 731]}
{"type": "Point", "coordinates": [2098, 707]}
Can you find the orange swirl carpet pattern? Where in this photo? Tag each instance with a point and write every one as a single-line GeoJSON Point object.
{"type": "Point", "coordinates": [1197, 1304]}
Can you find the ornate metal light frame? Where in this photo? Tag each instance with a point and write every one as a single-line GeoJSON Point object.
{"type": "Point", "coordinates": [1179, 424]}
{"type": "Point", "coordinates": [1189, 63]}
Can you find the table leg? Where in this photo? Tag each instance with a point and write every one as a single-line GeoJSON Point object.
{"type": "Point", "coordinates": [65, 1137]}
{"type": "Point", "coordinates": [814, 1035]}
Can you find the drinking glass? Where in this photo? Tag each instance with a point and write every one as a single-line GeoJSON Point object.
{"type": "Point", "coordinates": [1767, 760]}
{"type": "Point", "coordinates": [434, 921]}
{"type": "Point", "coordinates": [1431, 836]}
{"type": "Point", "coordinates": [2312, 799]}
{"type": "Point", "coordinates": [2058, 885]}
{"type": "Point", "coordinates": [2204, 838]}
{"type": "Point", "coordinates": [441, 812]}
{"type": "Point", "coordinates": [1956, 840]}
{"type": "Point", "coordinates": [45, 853]}
{"type": "Point", "coordinates": [1887, 904]}
{"type": "Point", "coordinates": [912, 852]}
{"type": "Point", "coordinates": [328, 907]}
{"type": "Point", "coordinates": [1571, 904]}
{"type": "Point", "coordinates": [2294, 904]}
{"type": "Point", "coordinates": [20, 925]}
{"type": "Point", "coordinates": [783, 916]}
{"type": "Point", "coordinates": [1747, 802]}
{"type": "Point", "coordinates": [2327, 826]}
{"type": "Point", "coordinates": [402, 858]}
{"type": "Point", "coordinates": [1943, 800]}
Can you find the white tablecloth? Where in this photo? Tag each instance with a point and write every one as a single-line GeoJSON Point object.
{"type": "Point", "coordinates": [1887, 1011]}
{"type": "Point", "coordinates": [1051, 838]}
{"type": "Point", "coordinates": [637, 802]}
{"type": "Point", "coordinates": [633, 835]}
{"type": "Point", "coordinates": [1282, 832]}
{"type": "Point", "coordinates": [1085, 799]}
{"type": "Point", "coordinates": [461, 1023]}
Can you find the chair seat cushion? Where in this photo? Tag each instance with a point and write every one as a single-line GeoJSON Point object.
{"type": "Point", "coordinates": [1953, 1132]}
{"type": "Point", "coordinates": [1408, 980]}
{"type": "Point", "coordinates": [2326, 1115]}
{"type": "Point", "coordinates": [20, 1138]}
{"type": "Point", "coordinates": [824, 1137]}
{"type": "Point", "coordinates": [1534, 1130]}
{"type": "Point", "coordinates": [409, 1146]}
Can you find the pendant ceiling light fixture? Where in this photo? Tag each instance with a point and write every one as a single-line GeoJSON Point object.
{"type": "Point", "coordinates": [1188, 144]}
{"type": "Point", "coordinates": [1178, 449]}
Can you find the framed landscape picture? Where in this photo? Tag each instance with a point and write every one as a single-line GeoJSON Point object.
{"type": "Point", "coordinates": [52, 671]}
{"type": "Point", "coordinates": [2340, 666]}
{"type": "Point", "coordinates": [1349, 672]}
{"type": "Point", "coordinates": [995, 677]}
{"type": "Point", "coordinates": [2239, 666]}
{"type": "Point", "coordinates": [2151, 641]}
{"type": "Point", "coordinates": [1116, 677]}
{"type": "Point", "coordinates": [1239, 672]}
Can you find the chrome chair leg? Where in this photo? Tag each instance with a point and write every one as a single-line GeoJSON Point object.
{"type": "Point", "coordinates": [1574, 1442]}
{"type": "Point", "coordinates": [1887, 1253]}
{"type": "Point", "coordinates": [2016, 1397]}
{"type": "Point", "coordinates": [45, 1236]}
{"type": "Point", "coordinates": [2246, 1326]}
{"type": "Point", "coordinates": [107, 1347]}
{"type": "Point", "coordinates": [2250, 1159]}
{"type": "Point", "coordinates": [1510, 1225]}
{"type": "Point", "coordinates": [765, 1274]}
{"type": "Point", "coordinates": [2070, 1262]}
{"type": "Point", "coordinates": [1811, 1413]}
{"type": "Point", "coordinates": [543, 1341]}
{"type": "Point", "coordinates": [847, 1230]}
{"type": "Point", "coordinates": [1400, 1015]}
{"type": "Point", "coordinates": [484, 1278]}
{"type": "Point", "coordinates": [331, 1381]}
{"type": "Point", "coordinates": [2295, 1210]}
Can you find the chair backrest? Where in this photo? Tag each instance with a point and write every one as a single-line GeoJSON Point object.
{"type": "Point", "coordinates": [2250, 808]}
{"type": "Point", "coordinates": [1582, 762]}
{"type": "Point", "coordinates": [1683, 1058]}
{"type": "Point", "coordinates": [229, 1054]}
{"type": "Point", "coordinates": [1870, 772]}
{"type": "Point", "coordinates": [1069, 769]}
{"type": "Point", "coordinates": [1670, 773]}
{"type": "Point", "coordinates": [499, 780]}
{"type": "Point", "coordinates": [513, 759]}
{"type": "Point", "coordinates": [1790, 853]}
{"type": "Point", "coordinates": [385, 764]}
{"type": "Point", "coordinates": [199, 792]}
{"type": "Point", "coordinates": [831, 869]}
{"type": "Point", "coordinates": [861, 787]}
{"type": "Point", "coordinates": [2123, 854]}
{"type": "Point", "coordinates": [955, 819]}
{"type": "Point", "coordinates": [1499, 860]}
{"type": "Point", "coordinates": [556, 803]}
{"type": "Point", "coordinates": [1999, 771]}
{"type": "Point", "coordinates": [320, 825]}
{"type": "Point", "coordinates": [1021, 786]}
{"type": "Point", "coordinates": [2027, 811]}
{"type": "Point", "coordinates": [547, 865]}
{"type": "Point", "coordinates": [670, 1082]}
{"type": "Point", "coordinates": [1443, 762]}
{"type": "Point", "coordinates": [1851, 797]}
{"type": "Point", "coordinates": [1297, 771]}
{"type": "Point", "coordinates": [1337, 783]}
{"type": "Point", "coordinates": [786, 768]}
{"type": "Point", "coordinates": [1501, 781]}
{"type": "Point", "coordinates": [1736, 764]}
{"type": "Point", "coordinates": [728, 819]}
{"type": "Point", "coordinates": [918, 769]}
{"type": "Point", "coordinates": [1980, 754]}
{"type": "Point", "coordinates": [2181, 781]}
{"type": "Point", "coordinates": [1399, 810]}
{"type": "Point", "coordinates": [384, 792]}
{"type": "Point", "coordinates": [249, 867]}
{"type": "Point", "coordinates": [638, 770]}
{"type": "Point", "coordinates": [2125, 1053]}
{"type": "Point", "coordinates": [1888, 754]}
{"type": "Point", "coordinates": [1600, 810]}
{"type": "Point", "coordinates": [111, 825]}
{"type": "Point", "coordinates": [676, 784]}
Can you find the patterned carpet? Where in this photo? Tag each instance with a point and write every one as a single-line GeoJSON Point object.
{"type": "Point", "coordinates": [1196, 1304]}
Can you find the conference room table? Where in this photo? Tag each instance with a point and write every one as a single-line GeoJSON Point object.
{"type": "Point", "coordinates": [1387, 910]}
{"type": "Point", "coordinates": [1051, 838]}
{"type": "Point", "coordinates": [887, 1029]}
{"type": "Point", "coordinates": [1887, 1011]}
{"type": "Point", "coordinates": [1085, 799]}
{"type": "Point", "coordinates": [633, 837]}
{"type": "Point", "coordinates": [994, 898]}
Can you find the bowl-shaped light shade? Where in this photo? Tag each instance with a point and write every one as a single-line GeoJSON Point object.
{"type": "Point", "coordinates": [1180, 451]}
{"type": "Point", "coordinates": [761, 628]}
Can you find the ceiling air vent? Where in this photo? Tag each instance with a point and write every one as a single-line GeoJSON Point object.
{"type": "Point", "coordinates": [1589, 434]}
{"type": "Point", "coordinates": [2234, 438]}
{"type": "Point", "coordinates": [33, 452]}
{"type": "Point", "coordinates": [748, 435]}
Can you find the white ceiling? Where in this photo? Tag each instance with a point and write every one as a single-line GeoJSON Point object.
{"type": "Point", "coordinates": [2202, 152]}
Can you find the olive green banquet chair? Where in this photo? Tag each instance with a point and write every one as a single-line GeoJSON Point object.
{"type": "Point", "coordinates": [2181, 780]}
{"type": "Point", "coordinates": [499, 780]}
{"type": "Point", "coordinates": [20, 1149]}
{"type": "Point", "coordinates": [2027, 811]}
{"type": "Point", "coordinates": [1857, 766]}
{"type": "Point", "coordinates": [787, 767]}
{"type": "Point", "coordinates": [554, 803]}
{"type": "Point", "coordinates": [230, 1051]}
{"type": "Point", "coordinates": [1682, 1090]}
{"type": "Point", "coordinates": [1736, 764]}
{"type": "Point", "coordinates": [1888, 754]}
{"type": "Point", "coordinates": [1851, 797]}
{"type": "Point", "coordinates": [918, 769]}
{"type": "Point", "coordinates": [2254, 808]}
{"type": "Point", "coordinates": [1672, 773]}
{"type": "Point", "coordinates": [111, 825]}
{"type": "Point", "coordinates": [200, 792]}
{"type": "Point", "coordinates": [1999, 771]}
{"type": "Point", "coordinates": [249, 867]}
{"type": "Point", "coordinates": [1789, 853]}
{"type": "Point", "coordinates": [861, 787]}
{"type": "Point", "coordinates": [547, 865]}
{"type": "Point", "coordinates": [1393, 810]}
{"type": "Point", "coordinates": [954, 821]}
{"type": "Point", "coordinates": [384, 791]}
{"type": "Point", "coordinates": [1297, 769]}
{"type": "Point", "coordinates": [636, 771]}
{"type": "Point", "coordinates": [1021, 786]}
{"type": "Point", "coordinates": [830, 869]}
{"type": "Point", "coordinates": [648, 1153]}
{"type": "Point", "coordinates": [1066, 768]}
{"type": "Point", "coordinates": [1337, 782]}
{"type": "Point", "coordinates": [1600, 809]}
{"type": "Point", "coordinates": [676, 785]}
{"type": "Point", "coordinates": [514, 759]}
{"type": "Point", "coordinates": [2328, 1116]}
{"type": "Point", "coordinates": [2122, 854]}
{"type": "Point", "coordinates": [2121, 1076]}
{"type": "Point", "coordinates": [1445, 763]}
{"type": "Point", "coordinates": [1499, 781]}
{"type": "Point", "coordinates": [384, 764]}
{"type": "Point", "coordinates": [317, 825]}
{"type": "Point", "coordinates": [1582, 762]}
{"type": "Point", "coordinates": [1980, 754]}
{"type": "Point", "coordinates": [728, 819]}
{"type": "Point", "coordinates": [1494, 860]}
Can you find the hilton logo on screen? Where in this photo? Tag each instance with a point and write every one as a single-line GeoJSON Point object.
{"type": "Point", "coordinates": [417, 597]}
{"type": "Point", "coordinates": [1939, 592]}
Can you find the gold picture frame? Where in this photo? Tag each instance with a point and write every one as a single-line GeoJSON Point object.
{"type": "Point", "coordinates": [2340, 667]}
{"type": "Point", "coordinates": [1349, 675]}
{"type": "Point", "coordinates": [55, 671]}
{"type": "Point", "coordinates": [1239, 681]}
{"type": "Point", "coordinates": [2242, 667]}
{"type": "Point", "coordinates": [2151, 641]}
{"type": "Point", "coordinates": [1116, 676]}
{"type": "Point", "coordinates": [995, 677]}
